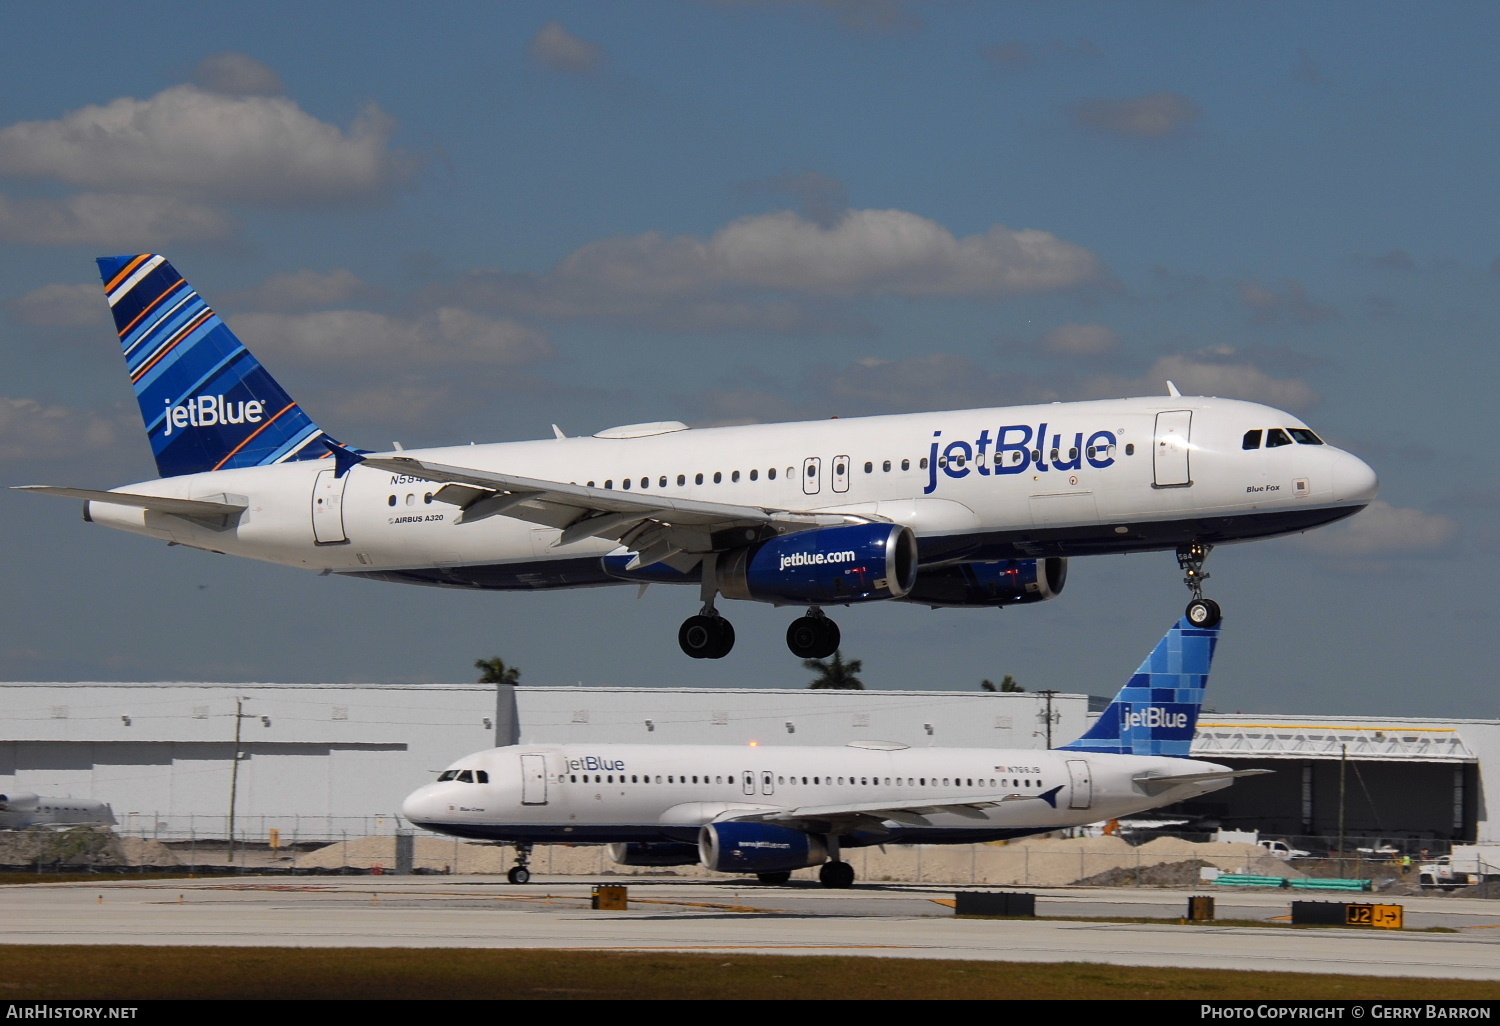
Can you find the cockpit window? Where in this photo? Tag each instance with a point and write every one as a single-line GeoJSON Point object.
{"type": "Point", "coordinates": [1305, 437]}
{"type": "Point", "coordinates": [481, 777]}
{"type": "Point", "coordinates": [447, 775]}
{"type": "Point", "coordinates": [1275, 437]}
{"type": "Point", "coordinates": [466, 777]}
{"type": "Point", "coordinates": [1252, 439]}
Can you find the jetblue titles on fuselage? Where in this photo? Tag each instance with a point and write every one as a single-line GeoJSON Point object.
{"type": "Point", "coordinates": [1016, 449]}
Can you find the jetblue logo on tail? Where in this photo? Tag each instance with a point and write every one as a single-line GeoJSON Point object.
{"type": "Point", "coordinates": [1156, 711]}
{"type": "Point", "coordinates": [1155, 716]}
{"type": "Point", "coordinates": [208, 410]}
{"type": "Point", "coordinates": [207, 403]}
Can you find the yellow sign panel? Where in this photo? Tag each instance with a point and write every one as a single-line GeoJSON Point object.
{"type": "Point", "coordinates": [1386, 917]}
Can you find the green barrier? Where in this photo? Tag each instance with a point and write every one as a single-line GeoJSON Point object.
{"type": "Point", "coordinates": [1315, 884]}
{"type": "Point", "coordinates": [1246, 880]}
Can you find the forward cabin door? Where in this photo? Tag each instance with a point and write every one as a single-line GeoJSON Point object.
{"type": "Point", "coordinates": [1080, 785]}
{"type": "Point", "coordinates": [533, 780]}
{"type": "Point", "coordinates": [328, 508]}
{"type": "Point", "coordinates": [1170, 452]}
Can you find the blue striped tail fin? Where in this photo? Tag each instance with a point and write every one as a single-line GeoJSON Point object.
{"type": "Point", "coordinates": [207, 402]}
{"type": "Point", "coordinates": [1156, 712]}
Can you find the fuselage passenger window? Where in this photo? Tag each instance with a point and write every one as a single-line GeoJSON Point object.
{"type": "Point", "coordinates": [681, 480]}
{"type": "Point", "coordinates": [718, 477]}
{"type": "Point", "coordinates": [906, 464]}
{"type": "Point", "coordinates": [771, 473]}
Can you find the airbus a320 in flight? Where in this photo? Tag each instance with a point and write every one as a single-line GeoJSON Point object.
{"type": "Point", "coordinates": [965, 508]}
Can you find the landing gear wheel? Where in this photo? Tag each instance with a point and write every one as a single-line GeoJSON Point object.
{"type": "Point", "coordinates": [774, 878]}
{"type": "Point", "coordinates": [1202, 612]}
{"type": "Point", "coordinates": [706, 637]}
{"type": "Point", "coordinates": [813, 637]}
{"type": "Point", "coordinates": [836, 875]}
{"type": "Point", "coordinates": [519, 875]}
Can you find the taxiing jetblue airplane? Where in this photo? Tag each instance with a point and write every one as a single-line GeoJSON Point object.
{"type": "Point", "coordinates": [967, 508]}
{"type": "Point", "coordinates": [772, 810]}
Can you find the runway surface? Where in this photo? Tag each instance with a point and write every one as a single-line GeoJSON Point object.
{"type": "Point", "coordinates": [880, 920]}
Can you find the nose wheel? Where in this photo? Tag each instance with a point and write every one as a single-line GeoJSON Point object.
{"type": "Point", "coordinates": [1200, 612]}
{"type": "Point", "coordinates": [813, 636]}
{"type": "Point", "coordinates": [520, 873]}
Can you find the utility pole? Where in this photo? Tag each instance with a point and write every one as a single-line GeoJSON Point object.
{"type": "Point", "coordinates": [234, 770]}
{"type": "Point", "coordinates": [1343, 762]}
{"type": "Point", "coordinates": [1049, 716]}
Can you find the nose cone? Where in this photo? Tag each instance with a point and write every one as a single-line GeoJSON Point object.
{"type": "Point", "coordinates": [421, 806]}
{"type": "Point", "coordinates": [1354, 480]}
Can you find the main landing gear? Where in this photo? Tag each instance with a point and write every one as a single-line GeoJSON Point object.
{"type": "Point", "coordinates": [707, 635]}
{"type": "Point", "coordinates": [520, 873]}
{"type": "Point", "coordinates": [836, 874]}
{"type": "Point", "coordinates": [813, 636]}
{"type": "Point", "coordinates": [1201, 612]}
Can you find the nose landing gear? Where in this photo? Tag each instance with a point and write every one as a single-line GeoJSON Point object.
{"type": "Point", "coordinates": [1201, 612]}
{"type": "Point", "coordinates": [813, 636]}
{"type": "Point", "coordinates": [520, 873]}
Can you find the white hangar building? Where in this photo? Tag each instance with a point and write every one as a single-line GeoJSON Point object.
{"type": "Point", "coordinates": [323, 761]}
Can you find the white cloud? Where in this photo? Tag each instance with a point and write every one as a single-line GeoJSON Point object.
{"type": "Point", "coordinates": [1383, 530]}
{"type": "Point", "coordinates": [746, 272]}
{"type": "Point", "coordinates": [211, 145]}
{"type": "Point", "coordinates": [63, 306]}
{"type": "Point", "coordinates": [134, 223]}
{"type": "Point", "coordinates": [556, 48]}
{"type": "Point", "coordinates": [238, 74]}
{"type": "Point", "coordinates": [1218, 371]}
{"type": "Point", "coordinates": [1079, 340]}
{"type": "Point", "coordinates": [30, 430]}
{"type": "Point", "coordinates": [300, 290]}
{"type": "Point", "coordinates": [1153, 116]}
{"type": "Point", "coordinates": [444, 337]}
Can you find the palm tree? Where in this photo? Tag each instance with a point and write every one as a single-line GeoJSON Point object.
{"type": "Point", "coordinates": [494, 671]}
{"type": "Point", "coordinates": [835, 674]}
{"type": "Point", "coordinates": [1007, 683]}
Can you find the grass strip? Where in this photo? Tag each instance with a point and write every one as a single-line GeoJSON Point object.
{"type": "Point", "coordinates": [80, 972]}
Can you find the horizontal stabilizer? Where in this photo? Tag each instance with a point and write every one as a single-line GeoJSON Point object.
{"type": "Point", "coordinates": [159, 503]}
{"type": "Point", "coordinates": [1164, 782]}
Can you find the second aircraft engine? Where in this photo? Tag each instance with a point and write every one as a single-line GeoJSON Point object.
{"type": "Point", "coordinates": [758, 848]}
{"type": "Point", "coordinates": [654, 853]}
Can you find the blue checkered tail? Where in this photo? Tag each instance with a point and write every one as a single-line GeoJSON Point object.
{"type": "Point", "coordinates": [1157, 711]}
{"type": "Point", "coordinates": [207, 402]}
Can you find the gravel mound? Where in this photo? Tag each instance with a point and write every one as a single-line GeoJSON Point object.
{"type": "Point", "coordinates": [81, 846]}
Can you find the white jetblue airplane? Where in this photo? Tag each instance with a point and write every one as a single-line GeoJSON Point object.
{"type": "Point", "coordinates": [21, 810]}
{"type": "Point", "coordinates": [771, 810]}
{"type": "Point", "coordinates": [960, 508]}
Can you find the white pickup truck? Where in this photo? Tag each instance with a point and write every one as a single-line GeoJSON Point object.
{"type": "Point", "coordinates": [1468, 864]}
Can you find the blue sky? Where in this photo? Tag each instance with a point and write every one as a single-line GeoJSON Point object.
{"type": "Point", "coordinates": [471, 221]}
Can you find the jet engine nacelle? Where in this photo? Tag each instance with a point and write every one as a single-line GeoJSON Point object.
{"type": "Point", "coordinates": [1007, 582]}
{"type": "Point", "coordinates": [834, 565]}
{"type": "Point", "coordinates": [654, 853]}
{"type": "Point", "coordinates": [758, 848]}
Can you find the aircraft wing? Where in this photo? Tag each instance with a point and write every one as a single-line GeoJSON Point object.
{"type": "Point", "coordinates": [841, 818]}
{"type": "Point", "coordinates": [159, 503]}
{"type": "Point", "coordinates": [1155, 784]}
{"type": "Point", "coordinates": [657, 528]}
